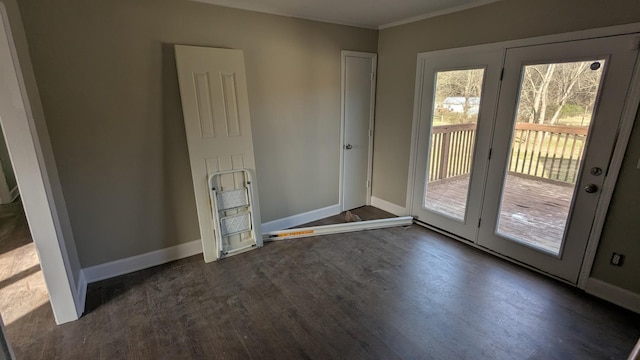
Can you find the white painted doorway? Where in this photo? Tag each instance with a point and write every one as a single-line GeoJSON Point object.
{"type": "Point", "coordinates": [28, 144]}
{"type": "Point", "coordinates": [358, 106]}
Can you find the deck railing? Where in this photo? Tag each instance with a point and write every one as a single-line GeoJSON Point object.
{"type": "Point", "coordinates": [550, 152]}
{"type": "Point", "coordinates": [451, 151]}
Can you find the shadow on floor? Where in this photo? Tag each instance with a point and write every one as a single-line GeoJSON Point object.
{"type": "Point", "coordinates": [19, 276]}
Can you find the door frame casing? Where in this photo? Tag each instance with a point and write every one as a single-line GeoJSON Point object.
{"type": "Point", "coordinates": [36, 173]}
{"type": "Point", "coordinates": [374, 68]}
{"type": "Point", "coordinates": [625, 126]}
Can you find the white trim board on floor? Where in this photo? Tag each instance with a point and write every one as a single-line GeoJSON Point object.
{"type": "Point", "coordinates": [337, 228]}
{"type": "Point", "coordinates": [615, 294]}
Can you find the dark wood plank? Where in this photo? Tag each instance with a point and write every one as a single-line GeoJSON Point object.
{"type": "Point", "coordinates": [314, 289]}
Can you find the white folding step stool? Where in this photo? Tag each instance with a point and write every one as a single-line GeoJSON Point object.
{"type": "Point", "coordinates": [231, 194]}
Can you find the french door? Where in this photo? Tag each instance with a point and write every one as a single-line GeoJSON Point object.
{"type": "Point", "coordinates": [514, 161]}
{"type": "Point", "coordinates": [457, 100]}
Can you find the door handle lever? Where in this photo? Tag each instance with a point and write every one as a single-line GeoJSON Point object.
{"type": "Point", "coordinates": [348, 147]}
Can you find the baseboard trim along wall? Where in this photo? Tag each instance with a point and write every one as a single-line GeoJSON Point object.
{"type": "Point", "coordinates": [300, 219]}
{"type": "Point", "coordinates": [81, 293]}
{"type": "Point", "coordinates": [142, 261]}
{"type": "Point", "coordinates": [615, 294]}
{"type": "Point", "coordinates": [389, 207]}
{"type": "Point", "coordinates": [158, 257]}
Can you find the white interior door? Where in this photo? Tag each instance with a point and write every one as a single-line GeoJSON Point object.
{"type": "Point", "coordinates": [556, 126]}
{"type": "Point", "coordinates": [358, 96]}
{"type": "Point", "coordinates": [215, 104]}
{"type": "Point", "coordinates": [455, 107]}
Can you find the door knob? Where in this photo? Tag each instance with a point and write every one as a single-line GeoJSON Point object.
{"type": "Point", "coordinates": [596, 171]}
{"type": "Point", "coordinates": [591, 188]}
{"type": "Point", "coordinates": [348, 147]}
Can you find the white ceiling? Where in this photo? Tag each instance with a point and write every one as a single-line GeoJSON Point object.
{"type": "Point", "coordinates": [376, 14]}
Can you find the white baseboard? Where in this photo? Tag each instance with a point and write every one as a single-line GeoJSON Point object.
{"type": "Point", "coordinates": [124, 266]}
{"type": "Point", "coordinates": [615, 294]}
{"type": "Point", "coordinates": [81, 293]}
{"type": "Point", "coordinates": [13, 194]}
{"type": "Point", "coordinates": [143, 261]}
{"type": "Point", "coordinates": [389, 207]}
{"type": "Point", "coordinates": [300, 219]}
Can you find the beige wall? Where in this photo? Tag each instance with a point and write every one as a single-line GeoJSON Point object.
{"type": "Point", "coordinates": [621, 231]}
{"type": "Point", "coordinates": [505, 20]}
{"type": "Point", "coordinates": [108, 83]}
{"type": "Point", "coordinates": [51, 168]}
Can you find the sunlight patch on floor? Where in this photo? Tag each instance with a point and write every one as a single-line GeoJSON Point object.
{"type": "Point", "coordinates": [22, 286]}
{"type": "Point", "coordinates": [22, 297]}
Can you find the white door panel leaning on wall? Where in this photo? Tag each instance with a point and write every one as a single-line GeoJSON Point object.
{"type": "Point", "coordinates": [215, 104]}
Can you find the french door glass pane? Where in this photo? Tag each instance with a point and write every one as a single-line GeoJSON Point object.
{"type": "Point", "coordinates": [453, 128]}
{"type": "Point", "coordinates": [555, 107]}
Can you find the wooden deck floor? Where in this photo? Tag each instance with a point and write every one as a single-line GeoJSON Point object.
{"type": "Point", "coordinates": [533, 211]}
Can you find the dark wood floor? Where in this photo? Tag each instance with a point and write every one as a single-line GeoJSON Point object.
{"type": "Point", "coordinates": [397, 293]}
